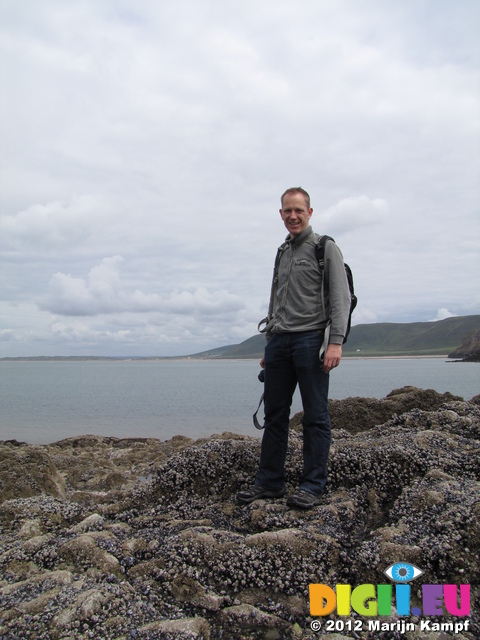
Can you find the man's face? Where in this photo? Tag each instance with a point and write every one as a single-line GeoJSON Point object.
{"type": "Point", "coordinates": [295, 214]}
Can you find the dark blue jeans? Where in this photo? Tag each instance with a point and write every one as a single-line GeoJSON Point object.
{"type": "Point", "coordinates": [292, 358]}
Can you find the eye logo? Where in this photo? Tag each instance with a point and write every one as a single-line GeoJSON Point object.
{"type": "Point", "coordinates": [402, 572]}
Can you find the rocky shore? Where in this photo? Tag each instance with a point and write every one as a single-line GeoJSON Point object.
{"type": "Point", "coordinates": [137, 538]}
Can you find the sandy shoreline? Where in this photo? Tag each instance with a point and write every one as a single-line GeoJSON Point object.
{"type": "Point", "coordinates": [190, 358]}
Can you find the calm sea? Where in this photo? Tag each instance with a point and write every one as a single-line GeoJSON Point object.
{"type": "Point", "coordinates": [42, 402]}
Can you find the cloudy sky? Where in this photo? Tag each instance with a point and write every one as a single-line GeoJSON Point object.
{"type": "Point", "coordinates": [145, 144]}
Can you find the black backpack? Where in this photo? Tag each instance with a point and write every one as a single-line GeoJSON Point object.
{"type": "Point", "coordinates": [320, 256]}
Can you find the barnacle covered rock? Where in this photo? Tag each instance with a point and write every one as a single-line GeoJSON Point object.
{"type": "Point", "coordinates": [147, 540]}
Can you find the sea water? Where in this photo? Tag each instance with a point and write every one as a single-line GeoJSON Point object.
{"type": "Point", "coordinates": [43, 402]}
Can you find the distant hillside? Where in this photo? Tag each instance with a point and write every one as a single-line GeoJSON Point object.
{"type": "Point", "coordinates": [382, 339]}
{"type": "Point", "coordinates": [250, 348]}
{"type": "Point", "coordinates": [415, 338]}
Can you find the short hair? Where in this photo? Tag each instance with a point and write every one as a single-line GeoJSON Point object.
{"type": "Point", "coordinates": [294, 190]}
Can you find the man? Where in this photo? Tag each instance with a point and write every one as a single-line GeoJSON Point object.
{"type": "Point", "coordinates": [301, 307]}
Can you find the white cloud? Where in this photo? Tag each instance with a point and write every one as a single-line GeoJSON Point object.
{"type": "Point", "coordinates": [100, 293]}
{"type": "Point", "coordinates": [201, 301]}
{"type": "Point", "coordinates": [443, 314]}
{"type": "Point", "coordinates": [104, 291]}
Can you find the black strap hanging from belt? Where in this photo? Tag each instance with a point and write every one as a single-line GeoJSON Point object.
{"type": "Point", "coordinates": [261, 377]}
{"type": "Point", "coordinates": [255, 421]}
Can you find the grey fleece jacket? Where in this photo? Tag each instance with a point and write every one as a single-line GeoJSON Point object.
{"type": "Point", "coordinates": [296, 300]}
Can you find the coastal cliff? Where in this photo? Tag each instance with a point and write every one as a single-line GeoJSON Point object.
{"type": "Point", "coordinates": [139, 538]}
{"type": "Point", "coordinates": [469, 350]}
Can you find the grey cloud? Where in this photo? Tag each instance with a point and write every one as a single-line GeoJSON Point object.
{"type": "Point", "coordinates": [56, 225]}
{"type": "Point", "coordinates": [165, 133]}
{"type": "Point", "coordinates": [351, 214]}
{"type": "Point", "coordinates": [105, 292]}
{"type": "Point", "coordinates": [203, 302]}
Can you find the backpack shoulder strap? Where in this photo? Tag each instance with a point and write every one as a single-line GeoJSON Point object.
{"type": "Point", "coordinates": [273, 292]}
{"type": "Point", "coordinates": [320, 258]}
{"type": "Point", "coordinates": [320, 250]}
{"type": "Point", "coordinates": [280, 250]}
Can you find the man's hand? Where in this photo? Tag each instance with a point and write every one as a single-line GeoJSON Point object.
{"type": "Point", "coordinates": [332, 357]}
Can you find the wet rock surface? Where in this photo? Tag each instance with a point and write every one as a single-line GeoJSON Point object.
{"type": "Point", "coordinates": [138, 538]}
